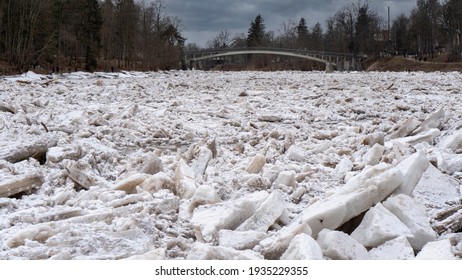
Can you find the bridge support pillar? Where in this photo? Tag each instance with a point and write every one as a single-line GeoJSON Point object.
{"type": "Point", "coordinates": [329, 68]}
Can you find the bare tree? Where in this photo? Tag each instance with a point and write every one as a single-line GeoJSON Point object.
{"type": "Point", "coordinates": [19, 22]}
{"type": "Point", "coordinates": [425, 25]}
{"type": "Point", "coordinates": [222, 41]}
{"type": "Point", "coordinates": [452, 14]}
{"type": "Point", "coordinates": [126, 26]}
{"type": "Point", "coordinates": [352, 29]}
{"type": "Point", "coordinates": [400, 34]}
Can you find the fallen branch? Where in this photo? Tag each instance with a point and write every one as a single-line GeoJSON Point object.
{"type": "Point", "coordinates": [44, 126]}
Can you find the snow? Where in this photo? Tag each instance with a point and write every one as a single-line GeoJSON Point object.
{"type": "Point", "coordinates": [224, 165]}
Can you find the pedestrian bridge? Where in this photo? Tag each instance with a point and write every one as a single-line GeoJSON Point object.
{"type": "Point", "coordinates": [341, 61]}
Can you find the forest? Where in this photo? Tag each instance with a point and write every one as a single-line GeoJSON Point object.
{"type": "Point", "coordinates": [71, 35]}
{"type": "Point", "coordinates": [125, 34]}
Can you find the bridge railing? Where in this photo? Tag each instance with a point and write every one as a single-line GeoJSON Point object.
{"type": "Point", "coordinates": [298, 51]}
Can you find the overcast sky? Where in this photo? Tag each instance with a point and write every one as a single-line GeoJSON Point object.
{"type": "Point", "coordinates": [203, 19]}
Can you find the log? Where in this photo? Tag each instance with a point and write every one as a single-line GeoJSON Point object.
{"type": "Point", "coordinates": [20, 184]}
{"type": "Point", "coordinates": [36, 149]}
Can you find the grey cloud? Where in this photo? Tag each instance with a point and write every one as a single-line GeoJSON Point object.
{"type": "Point", "coordinates": [203, 19]}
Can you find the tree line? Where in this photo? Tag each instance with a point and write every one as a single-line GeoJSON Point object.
{"type": "Point", "coordinates": [128, 34]}
{"type": "Point", "coordinates": [431, 27]}
{"type": "Point", "coordinates": [89, 35]}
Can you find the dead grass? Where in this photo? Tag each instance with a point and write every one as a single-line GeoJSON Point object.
{"type": "Point", "coordinates": [399, 64]}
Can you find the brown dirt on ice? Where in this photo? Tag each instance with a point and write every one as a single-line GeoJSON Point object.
{"type": "Point", "coordinates": [399, 64]}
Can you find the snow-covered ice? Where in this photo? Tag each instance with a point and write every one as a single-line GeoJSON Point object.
{"type": "Point", "coordinates": [338, 245]}
{"type": "Point", "coordinates": [413, 215]}
{"type": "Point", "coordinates": [230, 165]}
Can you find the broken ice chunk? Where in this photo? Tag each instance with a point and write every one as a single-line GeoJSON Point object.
{"type": "Point", "coordinates": [413, 215]}
{"type": "Point", "coordinates": [184, 180]}
{"type": "Point", "coordinates": [454, 164]}
{"type": "Point", "coordinates": [258, 182]}
{"type": "Point", "coordinates": [209, 219]}
{"type": "Point", "coordinates": [152, 165]}
{"type": "Point", "coordinates": [452, 142]}
{"type": "Point", "coordinates": [303, 247]}
{"type": "Point", "coordinates": [374, 155]}
{"type": "Point", "coordinates": [345, 165]}
{"type": "Point", "coordinates": [426, 136]}
{"type": "Point", "coordinates": [156, 254]}
{"type": "Point", "coordinates": [38, 232]}
{"type": "Point", "coordinates": [199, 165]}
{"type": "Point", "coordinates": [435, 188]}
{"type": "Point", "coordinates": [286, 178]}
{"type": "Point", "coordinates": [338, 245]}
{"type": "Point", "coordinates": [437, 250]}
{"type": "Point", "coordinates": [405, 128]}
{"type": "Point", "coordinates": [412, 168]}
{"type": "Point", "coordinates": [240, 240]}
{"type": "Point", "coordinates": [361, 192]}
{"type": "Point", "coordinates": [378, 226]}
{"type": "Point", "coordinates": [435, 120]}
{"type": "Point", "coordinates": [82, 173]}
{"type": "Point", "coordinates": [58, 154]}
{"type": "Point", "coordinates": [266, 214]}
{"type": "Point", "coordinates": [395, 249]}
{"type": "Point", "coordinates": [375, 138]}
{"type": "Point", "coordinates": [203, 195]}
{"type": "Point", "coordinates": [20, 184]}
{"type": "Point", "coordinates": [256, 164]}
{"type": "Point", "coordinates": [275, 245]}
{"type": "Point", "coordinates": [129, 184]}
{"type": "Point", "coordinates": [201, 251]}
{"type": "Point", "coordinates": [157, 182]}
{"type": "Point", "coordinates": [296, 153]}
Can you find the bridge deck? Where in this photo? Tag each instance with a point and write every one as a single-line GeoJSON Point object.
{"type": "Point", "coordinates": [328, 58]}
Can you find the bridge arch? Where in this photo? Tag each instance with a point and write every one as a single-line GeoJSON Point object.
{"type": "Point", "coordinates": [341, 61]}
{"type": "Point", "coordinates": [273, 52]}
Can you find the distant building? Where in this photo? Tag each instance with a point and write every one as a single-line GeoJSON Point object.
{"type": "Point", "coordinates": [382, 36]}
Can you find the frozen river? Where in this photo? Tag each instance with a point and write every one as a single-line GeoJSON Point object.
{"type": "Point", "coordinates": [231, 165]}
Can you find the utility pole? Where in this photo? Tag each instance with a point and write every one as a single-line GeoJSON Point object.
{"type": "Point", "coordinates": [388, 18]}
{"type": "Point", "coordinates": [389, 37]}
